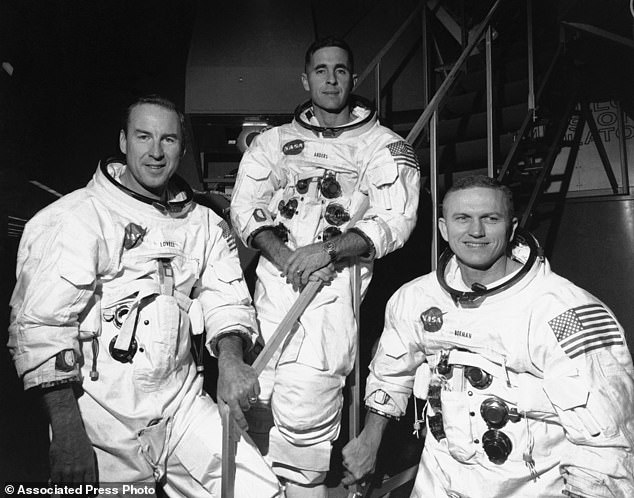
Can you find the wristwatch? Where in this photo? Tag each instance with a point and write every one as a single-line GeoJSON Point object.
{"type": "Point", "coordinates": [329, 247]}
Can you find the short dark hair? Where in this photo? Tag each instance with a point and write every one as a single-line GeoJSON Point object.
{"type": "Point", "coordinates": [330, 41]}
{"type": "Point", "coordinates": [483, 181]}
{"type": "Point", "coordinates": [153, 100]}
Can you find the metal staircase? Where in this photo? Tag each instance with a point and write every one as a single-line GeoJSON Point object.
{"type": "Point", "coordinates": [485, 114]}
{"type": "Point", "coordinates": [503, 108]}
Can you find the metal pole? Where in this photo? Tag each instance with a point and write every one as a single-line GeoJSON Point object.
{"type": "Point", "coordinates": [439, 96]}
{"type": "Point", "coordinates": [433, 185]}
{"type": "Point", "coordinates": [489, 77]}
{"type": "Point", "coordinates": [388, 45]}
{"type": "Point", "coordinates": [531, 68]}
{"type": "Point", "coordinates": [377, 87]}
{"type": "Point", "coordinates": [355, 392]}
{"type": "Point", "coordinates": [425, 48]}
{"type": "Point", "coordinates": [625, 176]}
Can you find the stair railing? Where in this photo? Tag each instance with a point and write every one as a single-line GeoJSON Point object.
{"type": "Point", "coordinates": [375, 63]}
{"type": "Point", "coordinates": [530, 115]}
{"type": "Point", "coordinates": [430, 113]}
{"type": "Point", "coordinates": [442, 92]}
{"type": "Point", "coordinates": [432, 107]}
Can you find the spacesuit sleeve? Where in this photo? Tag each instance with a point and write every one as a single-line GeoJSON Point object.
{"type": "Point", "coordinates": [222, 290]}
{"type": "Point", "coordinates": [589, 379]}
{"type": "Point", "coordinates": [255, 185]}
{"type": "Point", "coordinates": [394, 365]}
{"type": "Point", "coordinates": [55, 279]}
{"type": "Point", "coordinates": [392, 183]}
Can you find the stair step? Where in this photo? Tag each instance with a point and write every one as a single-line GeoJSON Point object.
{"type": "Point", "coordinates": [551, 196]}
{"type": "Point", "coordinates": [464, 156]}
{"type": "Point", "coordinates": [512, 93]}
{"type": "Point", "coordinates": [472, 126]}
{"type": "Point", "coordinates": [530, 169]}
{"type": "Point", "coordinates": [457, 106]}
{"type": "Point", "coordinates": [513, 70]}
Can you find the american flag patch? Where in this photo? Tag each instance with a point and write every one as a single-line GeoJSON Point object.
{"type": "Point", "coordinates": [403, 154]}
{"type": "Point", "coordinates": [227, 234]}
{"type": "Point", "coordinates": [584, 329]}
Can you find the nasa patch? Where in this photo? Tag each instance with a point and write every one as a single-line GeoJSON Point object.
{"type": "Point", "coordinates": [293, 147]}
{"type": "Point", "coordinates": [432, 319]}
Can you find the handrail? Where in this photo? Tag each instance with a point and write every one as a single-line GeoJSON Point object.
{"type": "Point", "coordinates": [441, 93]}
{"type": "Point", "coordinates": [601, 33]}
{"type": "Point", "coordinates": [379, 56]}
{"type": "Point", "coordinates": [530, 114]}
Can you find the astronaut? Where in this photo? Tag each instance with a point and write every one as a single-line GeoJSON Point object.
{"type": "Point", "coordinates": [329, 186]}
{"type": "Point", "coordinates": [115, 283]}
{"type": "Point", "coordinates": [527, 377]}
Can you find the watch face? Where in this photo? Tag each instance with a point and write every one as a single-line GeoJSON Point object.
{"type": "Point", "coordinates": [330, 249]}
{"type": "Point", "coordinates": [65, 360]}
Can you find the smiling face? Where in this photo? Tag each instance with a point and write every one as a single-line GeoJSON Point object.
{"type": "Point", "coordinates": [153, 147]}
{"type": "Point", "coordinates": [329, 80]}
{"type": "Point", "coordinates": [478, 226]}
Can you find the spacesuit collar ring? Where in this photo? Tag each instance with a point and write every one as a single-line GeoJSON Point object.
{"type": "Point", "coordinates": [479, 292]}
{"type": "Point", "coordinates": [328, 131]}
{"type": "Point", "coordinates": [165, 207]}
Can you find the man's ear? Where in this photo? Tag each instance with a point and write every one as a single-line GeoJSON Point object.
{"type": "Point", "coordinates": [442, 226]}
{"type": "Point", "coordinates": [123, 142]}
{"type": "Point", "coordinates": [354, 80]}
{"type": "Point", "coordinates": [304, 78]}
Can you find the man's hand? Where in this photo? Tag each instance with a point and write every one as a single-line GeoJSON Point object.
{"type": "Point", "coordinates": [326, 274]}
{"type": "Point", "coordinates": [71, 457]}
{"type": "Point", "coordinates": [359, 455]}
{"type": "Point", "coordinates": [303, 263]}
{"type": "Point", "coordinates": [359, 460]}
{"type": "Point", "coordinates": [238, 384]}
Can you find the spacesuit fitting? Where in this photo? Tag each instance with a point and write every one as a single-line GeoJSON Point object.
{"type": "Point", "coordinates": [110, 286]}
{"type": "Point", "coordinates": [529, 385]}
{"type": "Point", "coordinates": [311, 183]}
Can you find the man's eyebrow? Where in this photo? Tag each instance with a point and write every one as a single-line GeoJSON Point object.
{"type": "Point", "coordinates": [483, 215]}
{"type": "Point", "coordinates": [141, 131]}
{"type": "Point", "coordinates": [337, 66]}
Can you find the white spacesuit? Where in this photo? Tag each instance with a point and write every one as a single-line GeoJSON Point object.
{"type": "Point", "coordinates": [312, 183]}
{"type": "Point", "coordinates": [110, 285]}
{"type": "Point", "coordinates": [529, 385]}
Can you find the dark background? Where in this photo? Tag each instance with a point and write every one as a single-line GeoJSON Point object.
{"type": "Point", "coordinates": [77, 64]}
